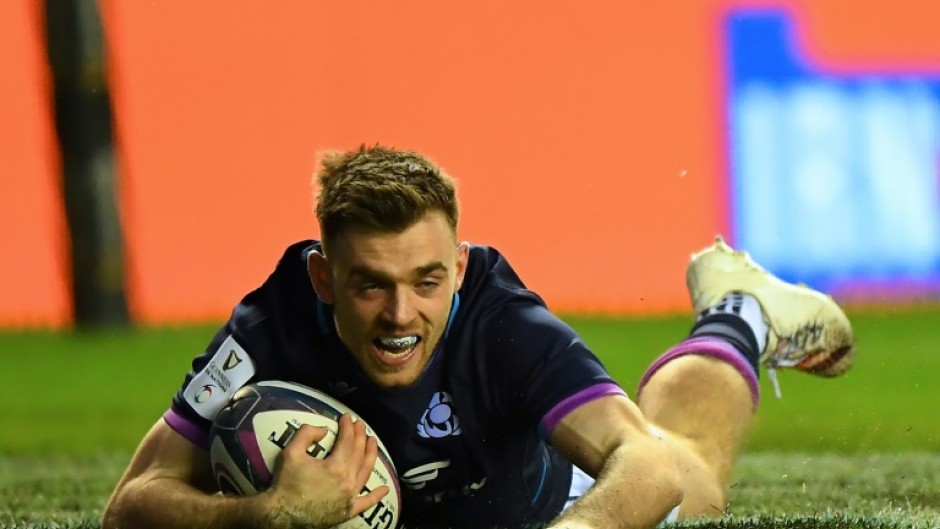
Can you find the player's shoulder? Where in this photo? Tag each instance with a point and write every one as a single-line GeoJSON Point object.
{"type": "Point", "coordinates": [490, 277]}
{"type": "Point", "coordinates": [284, 298]}
{"type": "Point", "coordinates": [495, 301]}
{"type": "Point", "coordinates": [290, 273]}
{"type": "Point", "coordinates": [293, 261]}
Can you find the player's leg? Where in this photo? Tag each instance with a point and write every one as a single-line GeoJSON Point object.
{"type": "Point", "coordinates": [701, 408]}
{"type": "Point", "coordinates": [701, 394]}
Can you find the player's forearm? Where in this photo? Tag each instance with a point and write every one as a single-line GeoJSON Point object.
{"type": "Point", "coordinates": [637, 488]}
{"type": "Point", "coordinates": [168, 503]}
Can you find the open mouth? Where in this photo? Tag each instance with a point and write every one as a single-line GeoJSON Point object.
{"type": "Point", "coordinates": [395, 349]}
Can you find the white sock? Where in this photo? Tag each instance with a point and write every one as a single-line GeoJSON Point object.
{"type": "Point", "coordinates": [748, 309]}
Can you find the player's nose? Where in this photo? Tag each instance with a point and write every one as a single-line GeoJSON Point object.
{"type": "Point", "coordinates": [400, 309]}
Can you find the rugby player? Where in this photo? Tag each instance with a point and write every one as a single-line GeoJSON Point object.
{"type": "Point", "coordinates": [494, 411]}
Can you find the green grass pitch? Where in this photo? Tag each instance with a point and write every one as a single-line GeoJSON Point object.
{"type": "Point", "coordinates": [862, 450]}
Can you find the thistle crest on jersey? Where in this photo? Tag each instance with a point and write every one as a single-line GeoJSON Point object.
{"type": "Point", "coordinates": [439, 419]}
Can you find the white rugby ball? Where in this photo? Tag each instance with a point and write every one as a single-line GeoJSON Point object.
{"type": "Point", "coordinates": [252, 428]}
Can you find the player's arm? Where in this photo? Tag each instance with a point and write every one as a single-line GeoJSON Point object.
{"type": "Point", "coordinates": [169, 485]}
{"type": "Point", "coordinates": [637, 481]}
{"type": "Point", "coordinates": [575, 404]}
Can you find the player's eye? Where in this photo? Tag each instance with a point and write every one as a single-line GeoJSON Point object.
{"type": "Point", "coordinates": [427, 285]}
{"type": "Point", "coordinates": [369, 288]}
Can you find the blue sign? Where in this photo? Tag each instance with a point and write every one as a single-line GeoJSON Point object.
{"type": "Point", "coordinates": [834, 176]}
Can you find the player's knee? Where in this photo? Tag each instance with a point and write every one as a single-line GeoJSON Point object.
{"type": "Point", "coordinates": [668, 481]}
{"type": "Point", "coordinates": [674, 495]}
{"type": "Point", "coordinates": [707, 504]}
{"type": "Point", "coordinates": [702, 497]}
{"type": "Point", "coordinates": [703, 493]}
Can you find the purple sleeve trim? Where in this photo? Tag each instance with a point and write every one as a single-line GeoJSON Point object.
{"type": "Point", "coordinates": [563, 408]}
{"type": "Point", "coordinates": [187, 428]}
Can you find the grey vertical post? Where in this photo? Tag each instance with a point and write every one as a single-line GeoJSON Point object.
{"type": "Point", "coordinates": [75, 46]}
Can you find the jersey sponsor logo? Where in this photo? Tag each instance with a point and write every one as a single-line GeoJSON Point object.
{"type": "Point", "coordinates": [205, 394]}
{"type": "Point", "coordinates": [439, 419]}
{"type": "Point", "coordinates": [232, 361]}
{"type": "Point", "coordinates": [418, 477]}
{"type": "Point", "coordinates": [466, 490]}
{"type": "Point", "coordinates": [227, 371]}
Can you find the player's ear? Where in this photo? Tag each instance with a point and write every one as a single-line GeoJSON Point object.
{"type": "Point", "coordinates": [319, 271]}
{"type": "Point", "coordinates": [463, 256]}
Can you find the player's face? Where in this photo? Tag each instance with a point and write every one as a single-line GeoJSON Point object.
{"type": "Point", "coordinates": [392, 294]}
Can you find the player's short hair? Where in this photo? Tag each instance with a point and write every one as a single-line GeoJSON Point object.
{"type": "Point", "coordinates": [380, 189]}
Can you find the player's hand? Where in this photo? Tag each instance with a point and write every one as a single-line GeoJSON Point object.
{"type": "Point", "coordinates": [309, 492]}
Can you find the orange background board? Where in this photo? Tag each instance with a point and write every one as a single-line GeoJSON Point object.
{"type": "Point", "coordinates": [588, 140]}
{"type": "Point", "coordinates": [33, 264]}
{"type": "Point", "coordinates": [578, 151]}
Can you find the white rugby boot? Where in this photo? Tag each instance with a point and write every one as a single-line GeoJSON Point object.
{"type": "Point", "coordinates": [807, 330]}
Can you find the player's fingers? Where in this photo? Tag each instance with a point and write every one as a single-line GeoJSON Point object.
{"type": "Point", "coordinates": [352, 458]}
{"type": "Point", "coordinates": [368, 463]}
{"type": "Point", "coordinates": [359, 444]}
{"type": "Point", "coordinates": [344, 446]}
{"type": "Point", "coordinates": [303, 438]}
{"type": "Point", "coordinates": [364, 503]}
{"type": "Point", "coordinates": [343, 437]}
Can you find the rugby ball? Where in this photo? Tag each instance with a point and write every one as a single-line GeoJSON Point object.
{"type": "Point", "coordinates": [255, 424]}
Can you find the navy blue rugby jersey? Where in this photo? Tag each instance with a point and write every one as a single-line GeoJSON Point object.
{"type": "Point", "coordinates": [469, 438]}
